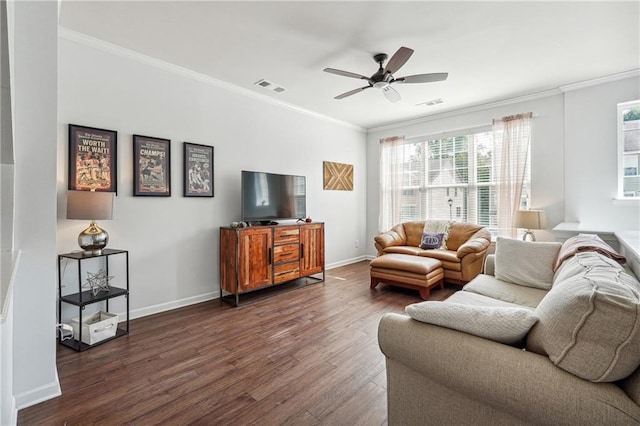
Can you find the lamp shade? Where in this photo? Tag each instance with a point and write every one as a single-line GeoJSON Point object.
{"type": "Point", "coordinates": [530, 219]}
{"type": "Point", "coordinates": [89, 205]}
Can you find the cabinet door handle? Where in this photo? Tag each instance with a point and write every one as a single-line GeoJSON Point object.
{"type": "Point", "coordinates": [301, 250]}
{"type": "Point", "coordinates": [269, 256]}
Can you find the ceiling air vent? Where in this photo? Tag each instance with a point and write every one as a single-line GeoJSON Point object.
{"type": "Point", "coordinates": [269, 85]}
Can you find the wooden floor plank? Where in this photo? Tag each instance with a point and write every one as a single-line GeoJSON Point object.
{"type": "Point", "coordinates": [309, 356]}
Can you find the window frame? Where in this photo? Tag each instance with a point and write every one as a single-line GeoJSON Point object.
{"type": "Point", "coordinates": [471, 188]}
{"type": "Point", "coordinates": [621, 107]}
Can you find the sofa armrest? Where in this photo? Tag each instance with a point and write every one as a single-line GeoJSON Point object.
{"type": "Point", "coordinates": [473, 245]}
{"type": "Point", "coordinates": [524, 384]}
{"type": "Point", "coordinates": [490, 265]}
{"type": "Point", "coordinates": [394, 237]}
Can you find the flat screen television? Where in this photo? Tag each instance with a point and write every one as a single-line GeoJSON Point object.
{"type": "Point", "coordinates": [270, 196]}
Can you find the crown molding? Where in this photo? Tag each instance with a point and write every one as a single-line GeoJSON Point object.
{"type": "Point", "coordinates": [524, 98]}
{"type": "Point", "coordinates": [600, 80]}
{"type": "Point", "coordinates": [123, 52]}
{"type": "Point", "coordinates": [466, 110]}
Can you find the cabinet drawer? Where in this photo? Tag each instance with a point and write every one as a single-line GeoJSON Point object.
{"type": "Point", "coordinates": [286, 253]}
{"type": "Point", "coordinates": [286, 272]}
{"type": "Point", "coordinates": [286, 235]}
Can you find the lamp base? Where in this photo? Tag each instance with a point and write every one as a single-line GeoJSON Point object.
{"type": "Point", "coordinates": [93, 239]}
{"type": "Point", "coordinates": [530, 233]}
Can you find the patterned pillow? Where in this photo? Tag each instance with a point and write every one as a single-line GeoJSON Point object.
{"type": "Point", "coordinates": [431, 241]}
{"type": "Point", "coordinates": [436, 227]}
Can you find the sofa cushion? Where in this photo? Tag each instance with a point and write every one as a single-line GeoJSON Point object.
{"type": "Point", "coordinates": [525, 263]}
{"type": "Point", "coordinates": [490, 286]}
{"type": "Point", "coordinates": [590, 323]}
{"type": "Point", "coordinates": [414, 250]}
{"type": "Point", "coordinates": [501, 324]}
{"type": "Point", "coordinates": [444, 255]}
{"type": "Point", "coordinates": [431, 241]}
{"type": "Point", "coordinates": [438, 227]}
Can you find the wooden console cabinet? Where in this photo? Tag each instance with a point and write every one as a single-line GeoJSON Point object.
{"type": "Point", "coordinates": [262, 256]}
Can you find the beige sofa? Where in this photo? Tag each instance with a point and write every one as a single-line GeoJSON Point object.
{"type": "Point", "coordinates": [577, 365]}
{"type": "Point", "coordinates": [466, 244]}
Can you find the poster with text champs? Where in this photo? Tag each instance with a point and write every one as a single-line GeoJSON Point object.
{"type": "Point", "coordinates": [151, 166]}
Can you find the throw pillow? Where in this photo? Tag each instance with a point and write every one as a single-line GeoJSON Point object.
{"type": "Point", "coordinates": [589, 324]}
{"type": "Point", "coordinates": [501, 324]}
{"type": "Point", "coordinates": [525, 263]}
{"type": "Point", "coordinates": [431, 241]}
{"type": "Point", "coordinates": [438, 227]}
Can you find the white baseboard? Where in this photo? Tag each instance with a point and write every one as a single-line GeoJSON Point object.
{"type": "Point", "coordinates": [174, 304]}
{"type": "Point", "coordinates": [347, 262]}
{"type": "Point", "coordinates": [10, 417]}
{"type": "Point", "coordinates": [38, 395]}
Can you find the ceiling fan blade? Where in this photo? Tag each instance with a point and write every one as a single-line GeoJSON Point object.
{"type": "Point", "coordinates": [398, 60]}
{"type": "Point", "coordinates": [391, 94]}
{"type": "Point", "coordinates": [422, 78]}
{"type": "Point", "coordinates": [351, 92]}
{"type": "Point", "coordinates": [345, 73]}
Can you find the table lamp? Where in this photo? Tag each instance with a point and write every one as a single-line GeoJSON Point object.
{"type": "Point", "coordinates": [530, 220]}
{"type": "Point", "coordinates": [91, 205]}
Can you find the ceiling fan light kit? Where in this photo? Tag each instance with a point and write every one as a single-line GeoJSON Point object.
{"type": "Point", "coordinates": [383, 78]}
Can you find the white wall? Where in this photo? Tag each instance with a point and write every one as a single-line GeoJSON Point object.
{"type": "Point", "coordinates": [546, 152]}
{"type": "Point", "coordinates": [573, 150]}
{"type": "Point", "coordinates": [592, 165]}
{"type": "Point", "coordinates": [174, 242]}
{"type": "Point", "coordinates": [34, 75]}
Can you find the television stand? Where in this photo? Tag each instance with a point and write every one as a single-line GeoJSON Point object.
{"type": "Point", "coordinates": [255, 260]}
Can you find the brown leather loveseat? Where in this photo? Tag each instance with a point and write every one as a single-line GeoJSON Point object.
{"type": "Point", "coordinates": [467, 246]}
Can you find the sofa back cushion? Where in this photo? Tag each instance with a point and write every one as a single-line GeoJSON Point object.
{"type": "Point", "coordinates": [589, 324]}
{"type": "Point", "coordinates": [460, 233]}
{"type": "Point", "coordinates": [413, 232]}
{"type": "Point", "coordinates": [525, 263]}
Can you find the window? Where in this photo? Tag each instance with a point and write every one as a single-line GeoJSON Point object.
{"type": "Point", "coordinates": [629, 150]}
{"type": "Point", "coordinates": [452, 177]}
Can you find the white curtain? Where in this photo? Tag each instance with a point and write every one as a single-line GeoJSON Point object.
{"type": "Point", "coordinates": [512, 136]}
{"type": "Point", "coordinates": [391, 175]}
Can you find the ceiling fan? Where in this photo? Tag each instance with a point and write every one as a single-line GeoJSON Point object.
{"type": "Point", "coordinates": [383, 78]}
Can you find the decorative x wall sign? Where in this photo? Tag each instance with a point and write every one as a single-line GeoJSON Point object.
{"type": "Point", "coordinates": [338, 176]}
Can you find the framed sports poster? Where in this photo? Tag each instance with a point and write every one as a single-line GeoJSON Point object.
{"type": "Point", "coordinates": [198, 170]}
{"type": "Point", "coordinates": [151, 166]}
{"type": "Point", "coordinates": [92, 158]}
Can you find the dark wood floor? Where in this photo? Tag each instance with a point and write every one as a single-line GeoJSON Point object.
{"type": "Point", "coordinates": [304, 357]}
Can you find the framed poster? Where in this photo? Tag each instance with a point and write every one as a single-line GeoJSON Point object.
{"type": "Point", "coordinates": [151, 166]}
{"type": "Point", "coordinates": [198, 170]}
{"type": "Point", "coordinates": [92, 158]}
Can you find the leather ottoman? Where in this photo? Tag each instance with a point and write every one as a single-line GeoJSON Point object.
{"type": "Point", "coordinates": [408, 271]}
